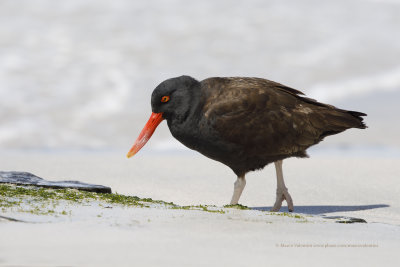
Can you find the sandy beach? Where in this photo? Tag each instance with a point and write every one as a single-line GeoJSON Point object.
{"type": "Point", "coordinates": [362, 187]}
{"type": "Point", "coordinates": [76, 78]}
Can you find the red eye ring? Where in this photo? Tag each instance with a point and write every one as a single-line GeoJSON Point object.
{"type": "Point", "coordinates": [165, 99]}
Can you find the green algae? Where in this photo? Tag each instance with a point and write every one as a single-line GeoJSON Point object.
{"type": "Point", "coordinates": [38, 200]}
{"type": "Point", "coordinates": [55, 202]}
{"type": "Point", "coordinates": [300, 218]}
{"type": "Point", "coordinates": [237, 206]}
{"type": "Point", "coordinates": [206, 208]}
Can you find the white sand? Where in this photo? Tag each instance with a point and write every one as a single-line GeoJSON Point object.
{"type": "Point", "coordinates": [80, 74]}
{"type": "Point", "coordinates": [359, 187]}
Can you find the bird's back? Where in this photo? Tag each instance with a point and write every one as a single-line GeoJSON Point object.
{"type": "Point", "coordinates": [253, 122]}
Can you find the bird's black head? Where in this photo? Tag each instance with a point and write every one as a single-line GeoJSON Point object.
{"type": "Point", "coordinates": [173, 97]}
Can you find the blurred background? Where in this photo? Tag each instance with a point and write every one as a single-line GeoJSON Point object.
{"type": "Point", "coordinates": [79, 74]}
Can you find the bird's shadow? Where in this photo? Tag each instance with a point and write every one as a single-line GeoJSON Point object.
{"type": "Point", "coordinates": [318, 210]}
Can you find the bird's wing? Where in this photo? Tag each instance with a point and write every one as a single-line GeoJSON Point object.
{"type": "Point", "coordinates": [260, 114]}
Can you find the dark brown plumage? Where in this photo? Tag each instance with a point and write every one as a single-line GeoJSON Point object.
{"type": "Point", "coordinates": [245, 123]}
{"type": "Point", "coordinates": [267, 121]}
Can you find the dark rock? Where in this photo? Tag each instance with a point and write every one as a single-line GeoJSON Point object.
{"type": "Point", "coordinates": [345, 219]}
{"type": "Point", "coordinates": [9, 219]}
{"type": "Point", "coordinates": [26, 178]}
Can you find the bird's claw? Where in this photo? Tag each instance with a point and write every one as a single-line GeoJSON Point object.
{"type": "Point", "coordinates": [282, 195]}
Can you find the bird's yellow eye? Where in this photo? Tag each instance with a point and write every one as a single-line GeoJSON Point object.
{"type": "Point", "coordinates": [165, 99]}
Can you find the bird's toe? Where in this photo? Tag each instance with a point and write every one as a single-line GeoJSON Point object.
{"type": "Point", "coordinates": [289, 201]}
{"type": "Point", "coordinates": [280, 197]}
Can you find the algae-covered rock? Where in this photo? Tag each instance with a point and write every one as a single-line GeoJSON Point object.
{"type": "Point", "coordinates": [26, 178]}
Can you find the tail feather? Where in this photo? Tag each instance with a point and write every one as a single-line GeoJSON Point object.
{"type": "Point", "coordinates": [330, 109]}
{"type": "Point", "coordinates": [359, 117]}
{"type": "Point", "coordinates": [339, 120]}
{"type": "Point", "coordinates": [331, 120]}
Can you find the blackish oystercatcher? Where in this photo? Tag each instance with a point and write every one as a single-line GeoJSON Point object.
{"type": "Point", "coordinates": [244, 123]}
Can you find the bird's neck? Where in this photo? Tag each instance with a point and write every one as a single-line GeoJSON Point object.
{"type": "Point", "coordinates": [187, 114]}
{"type": "Point", "coordinates": [188, 109]}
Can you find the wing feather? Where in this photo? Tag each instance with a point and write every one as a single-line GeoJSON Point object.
{"type": "Point", "coordinates": [266, 117]}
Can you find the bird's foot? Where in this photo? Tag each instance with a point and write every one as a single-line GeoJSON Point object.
{"type": "Point", "coordinates": [281, 195]}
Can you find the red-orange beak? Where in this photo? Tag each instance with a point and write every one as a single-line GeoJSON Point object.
{"type": "Point", "coordinates": [147, 132]}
